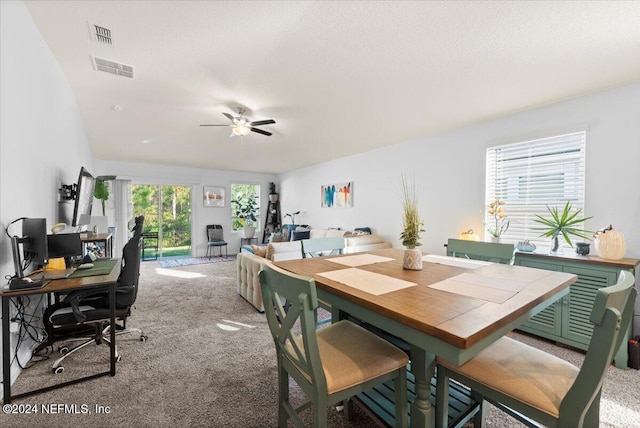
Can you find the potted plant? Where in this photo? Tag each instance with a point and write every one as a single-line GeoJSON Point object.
{"type": "Point", "coordinates": [246, 209]}
{"type": "Point", "coordinates": [101, 190]}
{"type": "Point", "coordinates": [411, 226]}
{"type": "Point", "coordinates": [561, 223]}
{"type": "Point", "coordinates": [499, 224]}
{"type": "Point", "coordinates": [273, 194]}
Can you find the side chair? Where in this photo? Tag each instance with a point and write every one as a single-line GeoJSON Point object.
{"type": "Point", "coordinates": [485, 251]}
{"type": "Point", "coordinates": [531, 385]}
{"type": "Point", "coordinates": [322, 246]}
{"type": "Point", "coordinates": [331, 364]}
{"type": "Point", "coordinates": [215, 238]}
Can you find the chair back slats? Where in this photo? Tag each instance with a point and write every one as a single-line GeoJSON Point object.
{"type": "Point", "coordinates": [299, 292]}
{"type": "Point", "coordinates": [322, 246]}
{"type": "Point", "coordinates": [485, 251]}
{"type": "Point", "coordinates": [611, 315]}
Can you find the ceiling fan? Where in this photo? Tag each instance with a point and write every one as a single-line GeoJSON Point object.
{"type": "Point", "coordinates": [241, 126]}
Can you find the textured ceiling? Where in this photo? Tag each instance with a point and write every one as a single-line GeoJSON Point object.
{"type": "Point", "coordinates": [339, 78]}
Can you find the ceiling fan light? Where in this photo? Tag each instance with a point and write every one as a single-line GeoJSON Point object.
{"type": "Point", "coordinates": [241, 130]}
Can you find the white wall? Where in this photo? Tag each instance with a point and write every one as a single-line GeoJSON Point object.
{"type": "Point", "coordinates": [141, 173]}
{"type": "Point", "coordinates": [42, 137]}
{"type": "Point", "coordinates": [450, 172]}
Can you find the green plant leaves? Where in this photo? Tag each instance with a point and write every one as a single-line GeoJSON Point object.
{"type": "Point", "coordinates": [562, 223]}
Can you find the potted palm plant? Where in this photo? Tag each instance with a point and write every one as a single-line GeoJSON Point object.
{"type": "Point", "coordinates": [246, 209]}
{"type": "Point", "coordinates": [561, 223]}
{"type": "Point", "coordinates": [411, 226]}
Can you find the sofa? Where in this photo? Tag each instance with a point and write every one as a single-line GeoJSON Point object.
{"type": "Point", "coordinates": [251, 259]}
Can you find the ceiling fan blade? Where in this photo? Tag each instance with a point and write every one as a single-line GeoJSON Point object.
{"type": "Point", "coordinates": [215, 125]}
{"type": "Point", "coordinates": [260, 131]}
{"type": "Point", "coordinates": [231, 118]}
{"type": "Point", "coordinates": [263, 122]}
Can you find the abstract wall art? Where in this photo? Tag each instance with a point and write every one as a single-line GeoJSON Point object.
{"type": "Point", "coordinates": [336, 195]}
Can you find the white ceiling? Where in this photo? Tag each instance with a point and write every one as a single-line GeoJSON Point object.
{"type": "Point", "coordinates": [338, 78]}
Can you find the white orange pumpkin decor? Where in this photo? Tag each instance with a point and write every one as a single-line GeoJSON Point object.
{"type": "Point", "coordinates": [610, 244]}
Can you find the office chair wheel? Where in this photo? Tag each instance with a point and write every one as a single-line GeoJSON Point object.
{"type": "Point", "coordinates": [63, 350]}
{"type": "Point", "coordinates": [118, 358]}
{"type": "Point", "coordinates": [58, 370]}
{"type": "Point", "coordinates": [143, 338]}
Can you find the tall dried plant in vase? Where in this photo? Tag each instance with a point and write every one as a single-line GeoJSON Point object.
{"type": "Point", "coordinates": [411, 225]}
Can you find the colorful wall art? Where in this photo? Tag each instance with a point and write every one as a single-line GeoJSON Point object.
{"type": "Point", "coordinates": [213, 196]}
{"type": "Point", "coordinates": [336, 195]}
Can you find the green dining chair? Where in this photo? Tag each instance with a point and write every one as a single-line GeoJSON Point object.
{"type": "Point", "coordinates": [331, 364]}
{"type": "Point", "coordinates": [322, 246]}
{"type": "Point", "coordinates": [532, 385]}
{"type": "Point", "coordinates": [486, 251]}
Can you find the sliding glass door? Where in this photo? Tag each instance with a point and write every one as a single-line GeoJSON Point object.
{"type": "Point", "coordinates": [167, 212]}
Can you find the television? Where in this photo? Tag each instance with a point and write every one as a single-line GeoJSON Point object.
{"type": "Point", "coordinates": [84, 198]}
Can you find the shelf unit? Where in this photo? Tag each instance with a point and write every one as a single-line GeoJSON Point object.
{"type": "Point", "coordinates": [273, 222]}
{"type": "Point", "coordinates": [567, 320]}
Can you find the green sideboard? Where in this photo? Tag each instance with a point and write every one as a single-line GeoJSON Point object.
{"type": "Point", "coordinates": [567, 320]}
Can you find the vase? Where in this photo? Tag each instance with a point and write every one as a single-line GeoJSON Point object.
{"type": "Point", "coordinates": [249, 231]}
{"type": "Point", "coordinates": [412, 259]}
{"type": "Point", "coordinates": [496, 239]}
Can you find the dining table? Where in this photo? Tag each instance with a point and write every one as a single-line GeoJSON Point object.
{"type": "Point", "coordinates": [451, 309]}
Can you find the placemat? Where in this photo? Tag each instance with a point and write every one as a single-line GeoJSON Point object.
{"type": "Point", "coordinates": [360, 260]}
{"type": "Point", "coordinates": [455, 261]}
{"type": "Point", "coordinates": [369, 282]}
{"type": "Point", "coordinates": [495, 290]}
{"type": "Point", "coordinates": [100, 267]}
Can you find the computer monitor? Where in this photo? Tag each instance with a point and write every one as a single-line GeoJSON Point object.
{"type": "Point", "coordinates": [64, 245]}
{"type": "Point", "coordinates": [84, 198]}
{"type": "Point", "coordinates": [34, 241]}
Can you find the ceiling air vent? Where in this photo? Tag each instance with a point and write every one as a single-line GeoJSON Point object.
{"type": "Point", "coordinates": [112, 67]}
{"type": "Point", "coordinates": [100, 34]}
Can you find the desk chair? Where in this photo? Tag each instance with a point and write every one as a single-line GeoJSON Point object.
{"type": "Point", "coordinates": [532, 385]}
{"type": "Point", "coordinates": [331, 364]}
{"type": "Point", "coordinates": [486, 251]}
{"type": "Point", "coordinates": [322, 246]}
{"type": "Point", "coordinates": [80, 309]}
{"type": "Point", "coordinates": [215, 238]}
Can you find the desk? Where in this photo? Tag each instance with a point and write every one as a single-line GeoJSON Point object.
{"type": "Point", "coordinates": [105, 238]}
{"type": "Point", "coordinates": [436, 323]}
{"type": "Point", "coordinates": [58, 286]}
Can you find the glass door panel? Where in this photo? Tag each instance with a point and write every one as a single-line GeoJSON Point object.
{"type": "Point", "coordinates": [167, 211]}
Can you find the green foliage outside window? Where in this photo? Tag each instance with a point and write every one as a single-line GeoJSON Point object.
{"type": "Point", "coordinates": [242, 193]}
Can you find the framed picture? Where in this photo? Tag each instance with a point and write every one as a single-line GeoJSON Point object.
{"type": "Point", "coordinates": [213, 196]}
{"type": "Point", "coordinates": [336, 195]}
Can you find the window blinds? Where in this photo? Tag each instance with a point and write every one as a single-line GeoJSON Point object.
{"type": "Point", "coordinates": [530, 175]}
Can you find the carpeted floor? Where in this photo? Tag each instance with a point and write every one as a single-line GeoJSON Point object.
{"type": "Point", "coordinates": [190, 261]}
{"type": "Point", "coordinates": [210, 362]}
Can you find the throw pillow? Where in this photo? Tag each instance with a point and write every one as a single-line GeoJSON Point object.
{"type": "Point", "coordinates": [299, 234]}
{"type": "Point", "coordinates": [259, 250]}
{"type": "Point", "coordinates": [269, 253]}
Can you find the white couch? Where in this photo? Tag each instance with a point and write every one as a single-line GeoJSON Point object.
{"type": "Point", "coordinates": [250, 264]}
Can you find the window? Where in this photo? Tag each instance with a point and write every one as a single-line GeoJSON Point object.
{"type": "Point", "coordinates": [530, 175]}
{"type": "Point", "coordinates": [242, 192]}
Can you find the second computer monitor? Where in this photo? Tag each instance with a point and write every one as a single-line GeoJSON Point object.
{"type": "Point", "coordinates": [66, 245]}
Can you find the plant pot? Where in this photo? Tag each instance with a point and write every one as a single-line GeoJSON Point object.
{"type": "Point", "coordinates": [555, 246]}
{"type": "Point", "coordinates": [273, 197]}
{"type": "Point", "coordinates": [582, 248]}
{"type": "Point", "coordinates": [249, 231]}
{"type": "Point", "coordinates": [496, 239]}
{"type": "Point", "coordinates": [412, 259]}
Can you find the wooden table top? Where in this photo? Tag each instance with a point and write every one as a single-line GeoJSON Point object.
{"type": "Point", "coordinates": [457, 319]}
{"type": "Point", "coordinates": [68, 284]}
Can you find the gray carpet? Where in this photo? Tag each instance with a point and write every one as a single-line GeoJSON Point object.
{"type": "Point", "coordinates": [210, 362]}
